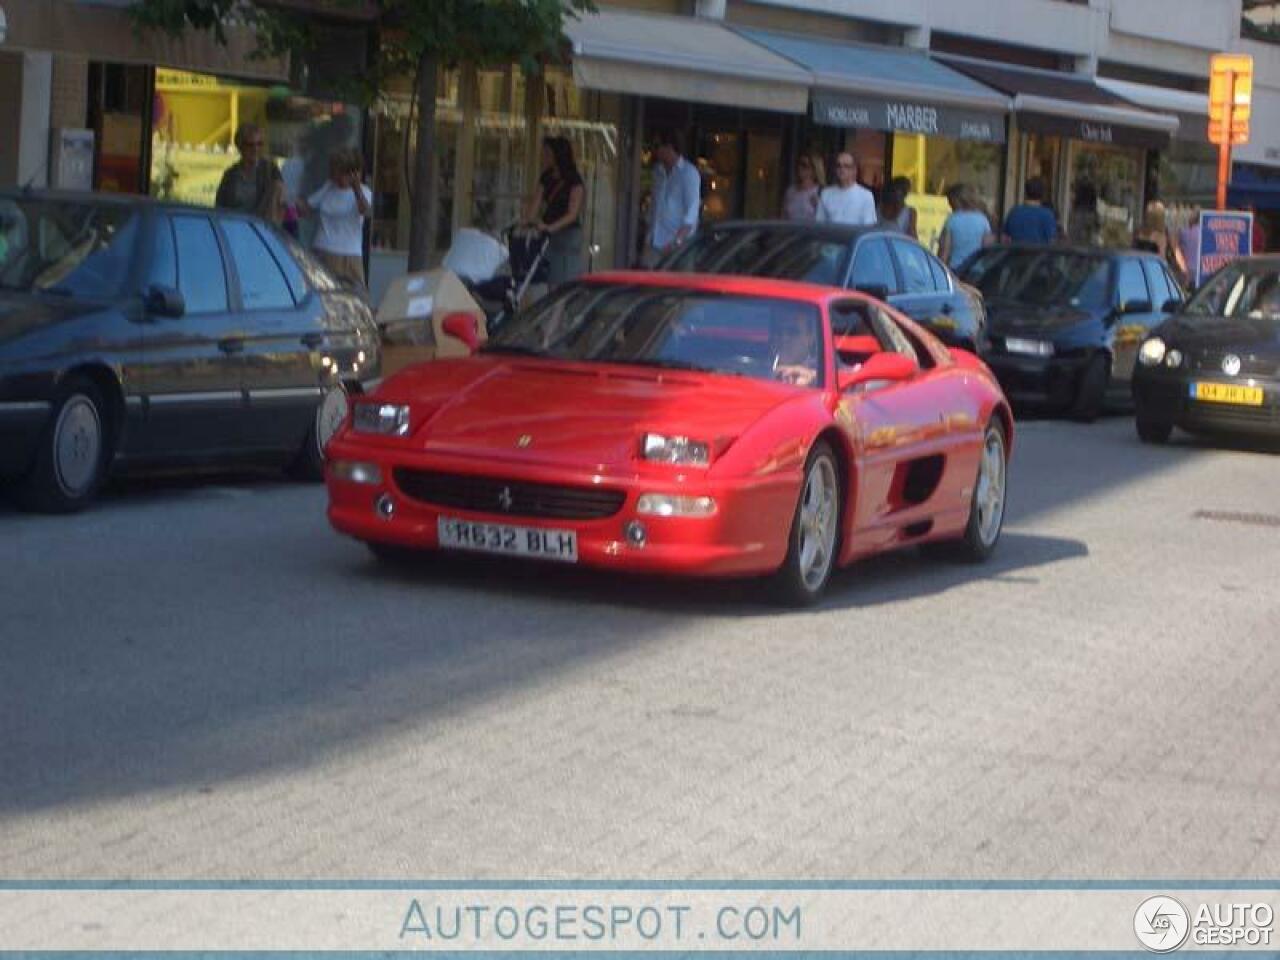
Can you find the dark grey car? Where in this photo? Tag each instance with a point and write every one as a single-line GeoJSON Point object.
{"type": "Point", "coordinates": [135, 333]}
{"type": "Point", "coordinates": [877, 261]}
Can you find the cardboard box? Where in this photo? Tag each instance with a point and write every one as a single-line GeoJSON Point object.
{"type": "Point", "coordinates": [410, 317]}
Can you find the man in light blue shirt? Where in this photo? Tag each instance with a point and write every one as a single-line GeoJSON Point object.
{"type": "Point", "coordinates": [677, 198]}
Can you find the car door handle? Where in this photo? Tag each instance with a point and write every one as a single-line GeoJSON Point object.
{"type": "Point", "coordinates": [231, 345]}
{"type": "Point", "coordinates": [312, 340]}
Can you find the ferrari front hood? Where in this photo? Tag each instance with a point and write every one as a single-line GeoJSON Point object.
{"type": "Point", "coordinates": [585, 415]}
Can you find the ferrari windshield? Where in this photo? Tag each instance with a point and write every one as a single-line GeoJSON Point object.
{"type": "Point", "coordinates": [781, 253]}
{"type": "Point", "coordinates": [1239, 291]}
{"type": "Point", "coordinates": [66, 247]}
{"type": "Point", "coordinates": [1041, 278]}
{"type": "Point", "coordinates": [674, 328]}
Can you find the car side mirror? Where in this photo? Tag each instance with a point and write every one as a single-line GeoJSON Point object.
{"type": "Point", "coordinates": [164, 301]}
{"type": "Point", "coordinates": [462, 326]}
{"type": "Point", "coordinates": [878, 291]}
{"type": "Point", "coordinates": [890, 367]}
{"type": "Point", "coordinates": [1135, 306]}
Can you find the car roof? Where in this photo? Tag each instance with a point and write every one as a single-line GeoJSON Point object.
{"type": "Point", "coordinates": [98, 198]}
{"type": "Point", "coordinates": [723, 283]}
{"type": "Point", "coordinates": [1078, 249]}
{"type": "Point", "coordinates": [833, 231]}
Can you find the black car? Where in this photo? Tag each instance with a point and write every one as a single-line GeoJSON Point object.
{"type": "Point", "coordinates": [877, 261]}
{"type": "Point", "coordinates": [1065, 322]}
{"type": "Point", "coordinates": [135, 333]}
{"type": "Point", "coordinates": [1215, 366]}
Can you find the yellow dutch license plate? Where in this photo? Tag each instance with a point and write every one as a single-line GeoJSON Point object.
{"type": "Point", "coordinates": [1227, 393]}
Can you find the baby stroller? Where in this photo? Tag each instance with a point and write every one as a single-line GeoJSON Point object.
{"type": "Point", "coordinates": [500, 294]}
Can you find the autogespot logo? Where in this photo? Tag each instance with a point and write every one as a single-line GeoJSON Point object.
{"type": "Point", "coordinates": [1162, 924]}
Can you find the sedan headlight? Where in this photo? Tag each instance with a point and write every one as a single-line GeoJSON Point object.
{"type": "Point", "coordinates": [1151, 352]}
{"type": "Point", "coordinates": [1032, 348]}
{"type": "Point", "coordinates": [387, 419]}
{"type": "Point", "coordinates": [683, 451]}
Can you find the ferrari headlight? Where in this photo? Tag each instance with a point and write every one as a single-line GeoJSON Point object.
{"type": "Point", "coordinates": [387, 419]}
{"type": "Point", "coordinates": [663, 505]}
{"type": "Point", "coordinates": [678, 450]}
{"type": "Point", "coordinates": [1151, 352]}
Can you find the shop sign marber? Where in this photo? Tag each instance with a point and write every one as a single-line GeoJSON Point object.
{"type": "Point", "coordinates": [843, 110]}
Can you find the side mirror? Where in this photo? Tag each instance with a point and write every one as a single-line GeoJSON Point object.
{"type": "Point", "coordinates": [877, 290]}
{"type": "Point", "coordinates": [1135, 306]}
{"type": "Point", "coordinates": [462, 326]}
{"type": "Point", "coordinates": [891, 367]}
{"type": "Point", "coordinates": [163, 301]}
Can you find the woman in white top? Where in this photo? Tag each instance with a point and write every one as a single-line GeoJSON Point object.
{"type": "Point", "coordinates": [801, 199]}
{"type": "Point", "coordinates": [341, 207]}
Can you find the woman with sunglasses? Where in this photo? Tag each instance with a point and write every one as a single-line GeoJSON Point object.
{"type": "Point", "coordinates": [801, 199]}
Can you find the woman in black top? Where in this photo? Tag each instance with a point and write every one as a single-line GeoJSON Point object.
{"type": "Point", "coordinates": [557, 209]}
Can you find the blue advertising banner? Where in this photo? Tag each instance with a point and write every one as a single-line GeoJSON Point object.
{"type": "Point", "coordinates": [1224, 236]}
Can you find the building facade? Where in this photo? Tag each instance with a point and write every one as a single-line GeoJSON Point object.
{"type": "Point", "coordinates": [1104, 100]}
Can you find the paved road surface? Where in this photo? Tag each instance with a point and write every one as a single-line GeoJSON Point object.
{"type": "Point", "coordinates": [198, 680]}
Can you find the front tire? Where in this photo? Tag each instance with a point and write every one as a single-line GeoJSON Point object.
{"type": "Point", "coordinates": [1093, 390]}
{"type": "Point", "coordinates": [330, 413]}
{"type": "Point", "coordinates": [74, 452]}
{"type": "Point", "coordinates": [1151, 430]}
{"type": "Point", "coordinates": [815, 532]}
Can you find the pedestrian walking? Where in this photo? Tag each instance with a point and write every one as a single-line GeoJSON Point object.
{"type": "Point", "coordinates": [1031, 221]}
{"type": "Point", "coordinates": [340, 208]}
{"type": "Point", "coordinates": [1188, 251]}
{"type": "Point", "coordinates": [556, 208]}
{"type": "Point", "coordinates": [966, 229]}
{"type": "Point", "coordinates": [847, 201]}
{"type": "Point", "coordinates": [894, 212]}
{"type": "Point", "coordinates": [1153, 235]}
{"type": "Point", "coordinates": [253, 184]}
{"type": "Point", "coordinates": [677, 197]}
{"type": "Point", "coordinates": [800, 202]}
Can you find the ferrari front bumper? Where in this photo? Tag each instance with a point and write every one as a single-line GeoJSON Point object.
{"type": "Point", "coordinates": [746, 535]}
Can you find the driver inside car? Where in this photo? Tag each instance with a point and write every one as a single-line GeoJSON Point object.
{"type": "Point", "coordinates": [795, 349]}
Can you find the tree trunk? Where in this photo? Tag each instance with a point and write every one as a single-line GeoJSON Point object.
{"type": "Point", "coordinates": [420, 225]}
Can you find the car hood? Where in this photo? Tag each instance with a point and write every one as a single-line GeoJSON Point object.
{"type": "Point", "coordinates": [1010, 318]}
{"type": "Point", "coordinates": [588, 415]}
{"type": "Point", "coordinates": [1257, 334]}
{"type": "Point", "coordinates": [21, 313]}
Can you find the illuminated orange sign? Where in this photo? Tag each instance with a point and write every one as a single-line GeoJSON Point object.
{"type": "Point", "coordinates": [1230, 98]}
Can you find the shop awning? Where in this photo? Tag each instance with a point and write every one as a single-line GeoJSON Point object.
{"type": "Point", "coordinates": [682, 58]}
{"type": "Point", "coordinates": [856, 85]}
{"type": "Point", "coordinates": [1067, 105]}
{"type": "Point", "coordinates": [1191, 109]}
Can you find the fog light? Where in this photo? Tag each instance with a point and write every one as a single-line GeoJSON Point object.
{"type": "Point", "coordinates": [662, 505]}
{"type": "Point", "coordinates": [1173, 359]}
{"type": "Point", "coordinates": [355, 471]}
{"type": "Point", "coordinates": [635, 534]}
{"type": "Point", "coordinates": [384, 507]}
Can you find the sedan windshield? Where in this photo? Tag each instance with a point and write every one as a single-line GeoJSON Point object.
{"type": "Point", "coordinates": [782, 254]}
{"type": "Point", "coordinates": [673, 328]}
{"type": "Point", "coordinates": [66, 247]}
{"type": "Point", "coordinates": [1238, 291]}
{"type": "Point", "coordinates": [1041, 278]}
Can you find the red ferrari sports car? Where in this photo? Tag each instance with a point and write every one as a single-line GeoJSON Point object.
{"type": "Point", "coordinates": [716, 426]}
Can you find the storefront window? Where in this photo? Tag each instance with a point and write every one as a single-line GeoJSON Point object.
{"type": "Point", "coordinates": [1042, 159]}
{"type": "Point", "coordinates": [1187, 175]}
{"type": "Point", "coordinates": [1106, 195]}
{"type": "Point", "coordinates": [936, 164]}
{"type": "Point", "coordinates": [195, 117]}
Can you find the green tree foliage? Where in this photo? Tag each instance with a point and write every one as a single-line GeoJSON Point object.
{"type": "Point", "coordinates": [417, 37]}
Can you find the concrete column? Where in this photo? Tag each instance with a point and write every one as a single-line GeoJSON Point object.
{"type": "Point", "coordinates": [33, 135]}
{"type": "Point", "coordinates": [711, 9]}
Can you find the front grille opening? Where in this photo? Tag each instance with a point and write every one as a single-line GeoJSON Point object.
{"type": "Point", "coordinates": [515, 498]}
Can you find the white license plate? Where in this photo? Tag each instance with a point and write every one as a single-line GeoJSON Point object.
{"type": "Point", "coordinates": [508, 539]}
